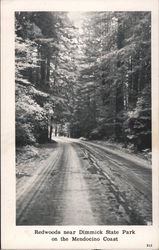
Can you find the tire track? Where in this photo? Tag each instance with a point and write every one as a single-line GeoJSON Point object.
{"type": "Point", "coordinates": [135, 177]}
{"type": "Point", "coordinates": [135, 218]}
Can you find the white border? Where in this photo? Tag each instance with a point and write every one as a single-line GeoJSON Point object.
{"type": "Point", "coordinates": [21, 237]}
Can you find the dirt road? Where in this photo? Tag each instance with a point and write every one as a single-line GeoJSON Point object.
{"type": "Point", "coordinates": [82, 183]}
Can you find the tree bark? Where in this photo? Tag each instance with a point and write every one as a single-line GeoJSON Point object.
{"type": "Point", "coordinates": [50, 135]}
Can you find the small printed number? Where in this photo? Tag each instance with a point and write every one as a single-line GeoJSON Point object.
{"type": "Point", "coordinates": [149, 245]}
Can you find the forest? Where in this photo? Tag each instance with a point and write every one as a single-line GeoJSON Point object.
{"type": "Point", "coordinates": [90, 80]}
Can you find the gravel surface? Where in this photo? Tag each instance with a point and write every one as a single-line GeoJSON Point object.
{"type": "Point", "coordinates": [75, 182]}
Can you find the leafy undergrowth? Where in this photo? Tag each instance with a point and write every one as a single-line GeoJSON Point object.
{"type": "Point", "coordinates": [29, 157]}
{"type": "Point", "coordinates": [144, 154]}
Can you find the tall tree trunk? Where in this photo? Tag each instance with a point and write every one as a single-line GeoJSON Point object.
{"type": "Point", "coordinates": [50, 135]}
{"type": "Point", "coordinates": [48, 69]}
{"type": "Point", "coordinates": [56, 130]}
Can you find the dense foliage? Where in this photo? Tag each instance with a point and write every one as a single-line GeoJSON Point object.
{"type": "Point", "coordinates": [114, 97]}
{"type": "Point", "coordinates": [45, 73]}
{"type": "Point", "coordinates": [95, 83]}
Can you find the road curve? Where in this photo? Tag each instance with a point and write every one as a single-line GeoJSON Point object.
{"type": "Point", "coordinates": [81, 184]}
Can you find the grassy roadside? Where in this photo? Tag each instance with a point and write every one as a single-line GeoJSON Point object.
{"type": "Point", "coordinates": [29, 157]}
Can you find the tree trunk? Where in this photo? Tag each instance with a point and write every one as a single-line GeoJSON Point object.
{"type": "Point", "coordinates": [48, 69]}
{"type": "Point", "coordinates": [50, 135]}
{"type": "Point", "coordinates": [55, 130]}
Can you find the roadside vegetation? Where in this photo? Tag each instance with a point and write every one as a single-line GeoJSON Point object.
{"type": "Point", "coordinates": [91, 81]}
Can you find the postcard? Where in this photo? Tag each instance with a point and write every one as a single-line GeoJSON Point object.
{"type": "Point", "coordinates": [80, 124]}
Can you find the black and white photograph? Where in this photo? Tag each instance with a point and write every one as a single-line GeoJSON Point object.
{"type": "Point", "coordinates": [83, 118]}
